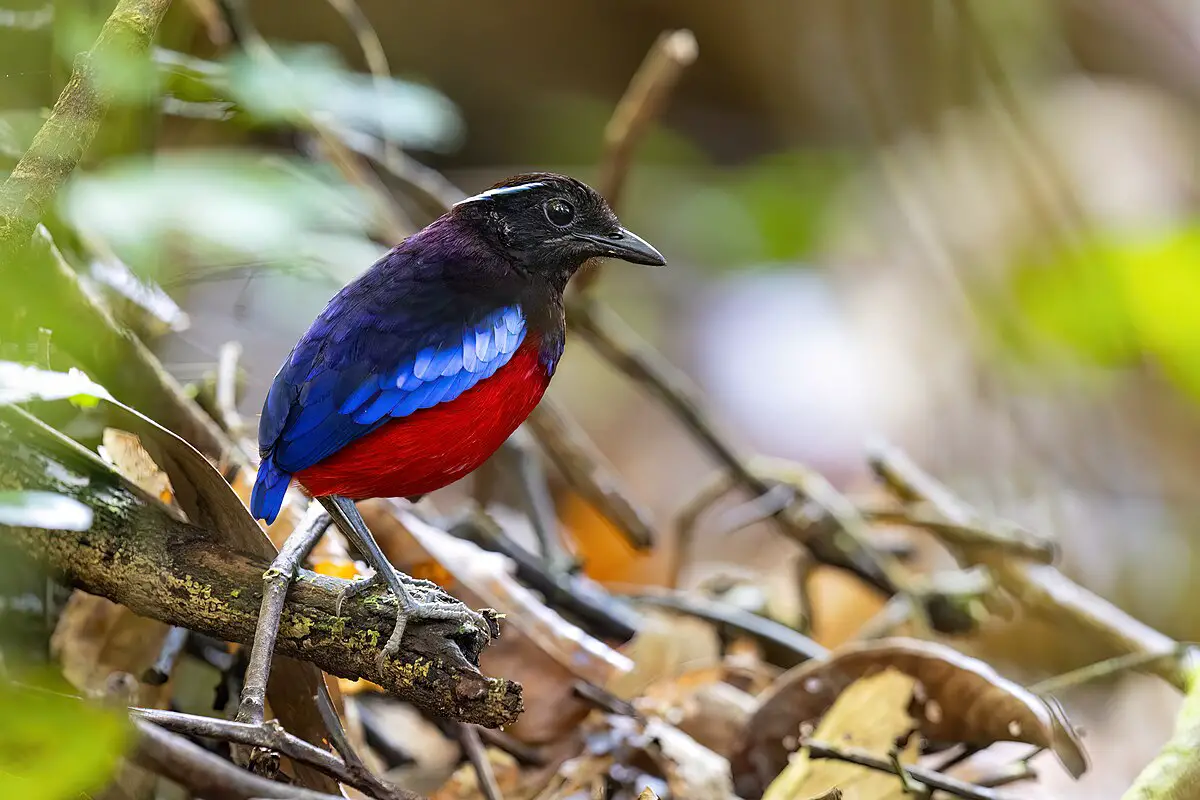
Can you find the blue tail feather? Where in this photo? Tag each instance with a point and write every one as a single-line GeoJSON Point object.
{"type": "Point", "coordinates": [269, 488]}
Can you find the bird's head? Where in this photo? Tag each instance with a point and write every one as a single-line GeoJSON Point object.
{"type": "Point", "coordinates": [548, 225]}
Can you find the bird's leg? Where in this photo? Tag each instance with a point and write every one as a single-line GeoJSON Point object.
{"type": "Point", "coordinates": [414, 599]}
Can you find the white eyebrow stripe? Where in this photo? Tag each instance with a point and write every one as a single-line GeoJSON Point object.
{"type": "Point", "coordinates": [502, 190]}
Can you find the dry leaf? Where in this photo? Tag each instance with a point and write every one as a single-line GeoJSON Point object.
{"type": "Point", "coordinates": [691, 769]}
{"type": "Point", "coordinates": [871, 714]}
{"type": "Point", "coordinates": [962, 699]}
{"type": "Point", "coordinates": [703, 706]}
{"type": "Point", "coordinates": [125, 452]}
{"type": "Point", "coordinates": [667, 646]}
{"type": "Point", "coordinates": [633, 755]}
{"type": "Point", "coordinates": [464, 783]}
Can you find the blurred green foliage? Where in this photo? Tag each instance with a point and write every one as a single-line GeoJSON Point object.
{"type": "Point", "coordinates": [772, 211]}
{"type": "Point", "coordinates": [221, 209]}
{"type": "Point", "coordinates": [53, 746]}
{"type": "Point", "coordinates": [312, 83]}
{"type": "Point", "coordinates": [1121, 298]}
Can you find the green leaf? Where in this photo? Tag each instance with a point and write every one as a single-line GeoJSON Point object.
{"type": "Point", "coordinates": [54, 747]}
{"type": "Point", "coordinates": [312, 82]}
{"type": "Point", "coordinates": [20, 384]}
{"type": "Point", "coordinates": [44, 510]}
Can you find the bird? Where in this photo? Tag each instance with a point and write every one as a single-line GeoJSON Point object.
{"type": "Point", "coordinates": [420, 368]}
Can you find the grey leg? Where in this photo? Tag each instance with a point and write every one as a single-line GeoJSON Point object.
{"type": "Point", "coordinates": [414, 599]}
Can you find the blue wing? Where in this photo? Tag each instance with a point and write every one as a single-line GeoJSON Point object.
{"type": "Point", "coordinates": [356, 369]}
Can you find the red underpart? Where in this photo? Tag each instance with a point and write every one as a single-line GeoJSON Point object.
{"type": "Point", "coordinates": [436, 446]}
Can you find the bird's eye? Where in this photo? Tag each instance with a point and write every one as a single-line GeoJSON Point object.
{"type": "Point", "coordinates": [560, 213]}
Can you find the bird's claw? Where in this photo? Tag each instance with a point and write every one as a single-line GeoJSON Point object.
{"type": "Point", "coordinates": [417, 599]}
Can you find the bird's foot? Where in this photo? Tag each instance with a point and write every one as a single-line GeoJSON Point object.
{"type": "Point", "coordinates": [376, 580]}
{"type": "Point", "coordinates": [417, 599]}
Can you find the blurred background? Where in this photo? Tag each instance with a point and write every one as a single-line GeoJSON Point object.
{"type": "Point", "coordinates": [968, 228]}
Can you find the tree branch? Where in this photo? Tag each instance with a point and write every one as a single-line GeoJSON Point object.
{"type": "Point", "coordinates": [138, 554]}
{"type": "Point", "coordinates": [63, 138]}
{"type": "Point", "coordinates": [270, 736]}
{"type": "Point", "coordinates": [205, 774]}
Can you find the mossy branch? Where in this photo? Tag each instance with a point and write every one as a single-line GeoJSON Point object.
{"type": "Point", "coordinates": [139, 554]}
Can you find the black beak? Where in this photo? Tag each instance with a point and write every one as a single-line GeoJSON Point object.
{"type": "Point", "coordinates": [625, 245]}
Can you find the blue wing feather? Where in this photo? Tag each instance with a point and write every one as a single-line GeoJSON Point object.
{"type": "Point", "coordinates": [365, 361]}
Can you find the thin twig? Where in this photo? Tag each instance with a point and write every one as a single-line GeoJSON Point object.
{"type": "Point", "coordinates": [718, 485]}
{"type": "Point", "coordinates": [1039, 587]}
{"type": "Point", "coordinates": [999, 535]}
{"type": "Point", "coordinates": [168, 654]}
{"type": "Point", "coordinates": [376, 58]}
{"type": "Point", "coordinates": [1102, 669]}
{"type": "Point", "coordinates": [642, 102]}
{"type": "Point", "coordinates": [226, 391]}
{"type": "Point", "coordinates": [934, 780]}
{"type": "Point", "coordinates": [468, 736]}
{"type": "Point", "coordinates": [612, 338]}
{"type": "Point", "coordinates": [269, 736]}
{"type": "Point", "coordinates": [203, 773]}
{"type": "Point", "coordinates": [782, 646]}
{"type": "Point", "coordinates": [644, 98]}
{"type": "Point", "coordinates": [589, 472]}
{"type": "Point", "coordinates": [276, 581]}
{"type": "Point", "coordinates": [1015, 772]}
{"type": "Point", "coordinates": [521, 449]}
{"type": "Point", "coordinates": [350, 757]}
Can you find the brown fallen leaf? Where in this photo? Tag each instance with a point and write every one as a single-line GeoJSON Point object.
{"type": "Point", "coordinates": [872, 715]}
{"type": "Point", "coordinates": [701, 704]}
{"type": "Point", "coordinates": [961, 699]}
{"type": "Point", "coordinates": [691, 769]}
{"type": "Point", "coordinates": [667, 646]}
{"type": "Point", "coordinates": [464, 783]}
{"type": "Point", "coordinates": [632, 755]}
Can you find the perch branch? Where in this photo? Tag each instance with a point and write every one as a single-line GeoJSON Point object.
{"type": "Point", "coordinates": [64, 137]}
{"type": "Point", "coordinates": [138, 554]}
